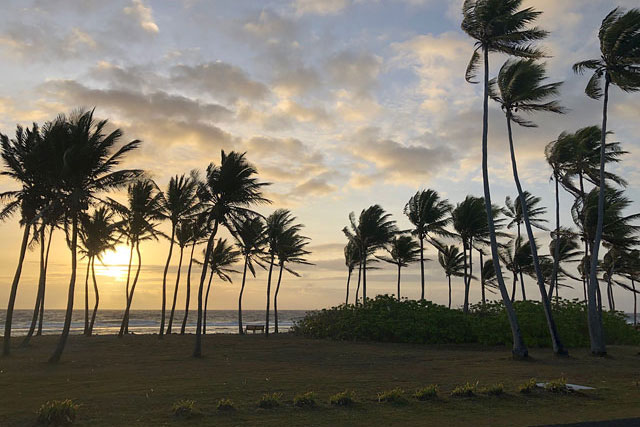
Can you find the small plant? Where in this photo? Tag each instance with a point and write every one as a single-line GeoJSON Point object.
{"type": "Point", "coordinates": [557, 386]}
{"type": "Point", "coordinates": [57, 412]}
{"type": "Point", "coordinates": [465, 390]}
{"type": "Point", "coordinates": [184, 408]}
{"type": "Point", "coordinates": [527, 387]}
{"type": "Point", "coordinates": [392, 396]}
{"type": "Point", "coordinates": [494, 390]}
{"type": "Point", "coordinates": [225, 405]}
{"type": "Point", "coordinates": [270, 401]}
{"type": "Point", "coordinates": [429, 392]}
{"type": "Point", "coordinates": [305, 399]}
{"type": "Point", "coordinates": [344, 398]}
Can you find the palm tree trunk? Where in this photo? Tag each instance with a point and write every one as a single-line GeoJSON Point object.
{"type": "Point", "coordinates": [358, 287]}
{"type": "Point", "coordinates": [346, 300]}
{"type": "Point", "coordinates": [244, 277]}
{"type": "Point", "coordinates": [398, 282]}
{"type": "Point", "coordinates": [422, 267]}
{"type": "Point", "coordinates": [36, 309]}
{"type": "Point", "coordinates": [595, 320]}
{"type": "Point", "coordinates": [558, 348]}
{"type": "Point", "coordinates": [364, 279]}
{"type": "Point", "coordinates": [6, 345]}
{"type": "Point", "coordinates": [266, 329]}
{"type": "Point", "coordinates": [482, 286]}
{"type": "Point", "coordinates": [468, 285]}
{"type": "Point", "coordinates": [556, 249]}
{"type": "Point", "coordinates": [164, 282]}
{"type": "Point", "coordinates": [635, 303]}
{"type": "Point", "coordinates": [197, 351]}
{"type": "Point", "coordinates": [95, 289]}
{"type": "Point", "coordinates": [86, 298]}
{"type": "Point", "coordinates": [466, 275]}
{"type": "Point", "coordinates": [513, 287]}
{"type": "Point", "coordinates": [44, 284]}
{"type": "Point", "coordinates": [449, 277]}
{"type": "Point", "coordinates": [55, 358]}
{"type": "Point", "coordinates": [175, 292]}
{"type": "Point", "coordinates": [128, 291]}
{"type": "Point", "coordinates": [275, 300]}
{"type": "Point", "coordinates": [206, 304]}
{"type": "Point", "coordinates": [188, 300]}
{"type": "Point", "coordinates": [124, 328]}
{"type": "Point", "coordinates": [524, 294]}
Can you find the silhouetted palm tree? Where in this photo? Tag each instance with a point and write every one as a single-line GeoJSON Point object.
{"type": "Point", "coordinates": [619, 64]}
{"type": "Point", "coordinates": [403, 250]}
{"type": "Point", "coordinates": [225, 197]}
{"type": "Point", "coordinates": [564, 247]}
{"type": "Point", "coordinates": [183, 235]}
{"type": "Point", "coordinates": [351, 259]}
{"type": "Point", "coordinates": [453, 263]}
{"type": "Point", "coordinates": [198, 234]}
{"type": "Point", "coordinates": [498, 26]}
{"type": "Point", "coordinates": [516, 256]}
{"type": "Point", "coordinates": [222, 258]}
{"type": "Point", "coordinates": [429, 215]}
{"type": "Point", "coordinates": [631, 270]}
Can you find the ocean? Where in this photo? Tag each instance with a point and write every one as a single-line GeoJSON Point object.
{"type": "Point", "coordinates": [148, 321]}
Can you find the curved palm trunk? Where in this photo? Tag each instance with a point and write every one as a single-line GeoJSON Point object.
{"type": "Point", "coordinates": [164, 282]}
{"type": "Point", "coordinates": [399, 282]}
{"type": "Point", "coordinates": [188, 300]}
{"type": "Point", "coordinates": [635, 303]}
{"type": "Point", "coordinates": [128, 291]}
{"type": "Point", "coordinates": [468, 284]}
{"type": "Point", "coordinates": [519, 348]}
{"type": "Point", "coordinates": [275, 300]}
{"type": "Point", "coordinates": [6, 345]}
{"type": "Point", "coordinates": [197, 351]}
{"type": "Point", "coordinates": [266, 328]}
{"type": "Point", "coordinates": [449, 277]}
{"type": "Point", "coordinates": [482, 286]}
{"type": "Point", "coordinates": [346, 300]}
{"type": "Point", "coordinates": [72, 285]}
{"type": "Point", "coordinates": [520, 277]}
{"type": "Point", "coordinates": [595, 320]}
{"type": "Point", "coordinates": [175, 292]}
{"type": "Point", "coordinates": [206, 304]}
{"type": "Point", "coordinates": [86, 298]}
{"type": "Point", "coordinates": [95, 289]}
{"type": "Point", "coordinates": [421, 267]}
{"type": "Point", "coordinates": [244, 278]}
{"type": "Point", "coordinates": [358, 287]}
{"type": "Point", "coordinates": [364, 279]}
{"type": "Point", "coordinates": [558, 348]}
{"type": "Point", "coordinates": [466, 275]}
{"type": "Point", "coordinates": [36, 309]}
{"type": "Point", "coordinates": [513, 286]}
{"type": "Point", "coordinates": [44, 285]}
{"type": "Point", "coordinates": [124, 327]}
{"type": "Point", "coordinates": [556, 249]}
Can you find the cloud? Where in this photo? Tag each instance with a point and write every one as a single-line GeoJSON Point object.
{"type": "Point", "coordinates": [38, 42]}
{"type": "Point", "coordinates": [356, 71]}
{"type": "Point", "coordinates": [319, 7]}
{"type": "Point", "coordinates": [143, 16]}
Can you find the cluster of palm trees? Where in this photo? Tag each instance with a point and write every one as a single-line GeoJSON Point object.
{"type": "Point", "coordinates": [67, 168]}
{"type": "Point", "coordinates": [578, 161]}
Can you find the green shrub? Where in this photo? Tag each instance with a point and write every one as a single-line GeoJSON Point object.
{"type": "Point", "coordinates": [494, 390]}
{"type": "Point", "coordinates": [465, 390]}
{"type": "Point", "coordinates": [304, 399]}
{"type": "Point", "coordinates": [184, 408]}
{"type": "Point", "coordinates": [392, 396]}
{"type": "Point", "coordinates": [427, 393]}
{"type": "Point", "coordinates": [528, 386]}
{"type": "Point", "coordinates": [344, 398]}
{"type": "Point", "coordinates": [270, 401]}
{"type": "Point", "coordinates": [57, 412]}
{"type": "Point", "coordinates": [225, 405]}
{"type": "Point", "coordinates": [557, 386]}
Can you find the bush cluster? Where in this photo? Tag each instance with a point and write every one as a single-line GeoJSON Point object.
{"type": "Point", "coordinates": [57, 413]}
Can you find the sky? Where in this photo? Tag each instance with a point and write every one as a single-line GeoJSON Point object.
{"type": "Point", "coordinates": [340, 104]}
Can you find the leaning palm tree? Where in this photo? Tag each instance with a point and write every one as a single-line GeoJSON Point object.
{"type": "Point", "coordinates": [498, 26]}
{"type": "Point", "coordinates": [521, 87]}
{"type": "Point", "coordinates": [452, 261]}
{"type": "Point", "coordinates": [177, 202]}
{"type": "Point", "coordinates": [225, 197]}
{"type": "Point", "coordinates": [631, 270]}
{"type": "Point", "coordinates": [429, 215]}
{"type": "Point", "coordinates": [351, 259]}
{"type": "Point", "coordinates": [198, 233]}
{"type": "Point", "coordinates": [564, 247]}
{"type": "Point", "coordinates": [222, 257]}
{"type": "Point", "coordinates": [516, 257]}
{"type": "Point", "coordinates": [619, 64]}
{"type": "Point", "coordinates": [402, 250]}
{"type": "Point", "coordinates": [250, 236]}
{"type": "Point", "coordinates": [373, 230]}
{"type": "Point", "coordinates": [183, 237]}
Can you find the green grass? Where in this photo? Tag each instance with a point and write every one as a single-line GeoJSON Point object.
{"type": "Point", "coordinates": [465, 390]}
{"type": "Point", "coordinates": [429, 392]}
{"type": "Point", "coordinates": [528, 386]}
{"type": "Point", "coordinates": [184, 408]}
{"type": "Point", "coordinates": [57, 413]}
{"type": "Point", "coordinates": [343, 398]}
{"type": "Point", "coordinates": [304, 399]}
{"type": "Point", "coordinates": [396, 396]}
{"type": "Point", "coordinates": [225, 405]}
{"type": "Point", "coordinates": [270, 400]}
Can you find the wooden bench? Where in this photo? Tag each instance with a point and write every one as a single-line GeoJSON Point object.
{"type": "Point", "coordinates": [254, 328]}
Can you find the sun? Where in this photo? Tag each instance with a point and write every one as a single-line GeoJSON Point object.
{"type": "Point", "coordinates": [114, 263]}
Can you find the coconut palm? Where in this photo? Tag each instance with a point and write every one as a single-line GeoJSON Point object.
{"type": "Point", "coordinates": [619, 64]}
{"type": "Point", "coordinates": [225, 198]}
{"type": "Point", "coordinates": [222, 258]}
{"type": "Point", "coordinates": [198, 233]}
{"type": "Point", "coordinates": [453, 263]}
{"type": "Point", "coordinates": [498, 26]}
{"type": "Point", "coordinates": [516, 256]}
{"type": "Point", "coordinates": [564, 247]}
{"type": "Point", "coordinates": [429, 215]}
{"type": "Point", "coordinates": [373, 230]}
{"type": "Point", "coordinates": [183, 235]}
{"type": "Point", "coordinates": [402, 250]}
{"type": "Point", "coordinates": [177, 202]}
{"type": "Point", "coordinates": [351, 259]}
{"type": "Point", "coordinates": [631, 270]}
{"type": "Point", "coordinates": [250, 236]}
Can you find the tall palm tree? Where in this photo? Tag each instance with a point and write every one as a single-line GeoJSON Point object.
{"type": "Point", "coordinates": [429, 215]}
{"type": "Point", "coordinates": [250, 236]}
{"type": "Point", "coordinates": [177, 202]}
{"type": "Point", "coordinates": [373, 230]}
{"type": "Point", "coordinates": [498, 26]}
{"type": "Point", "coordinates": [225, 198]}
{"type": "Point", "coordinates": [631, 269]}
{"type": "Point", "coordinates": [351, 259]}
{"type": "Point", "coordinates": [452, 261]}
{"type": "Point", "coordinates": [619, 64]}
{"type": "Point", "coordinates": [222, 257]}
{"type": "Point", "coordinates": [198, 234]}
{"type": "Point", "coordinates": [402, 250]}
{"type": "Point", "coordinates": [564, 247]}
{"type": "Point", "coordinates": [291, 250]}
{"type": "Point", "coordinates": [516, 256]}
{"type": "Point", "coordinates": [521, 87]}
{"type": "Point", "coordinates": [183, 235]}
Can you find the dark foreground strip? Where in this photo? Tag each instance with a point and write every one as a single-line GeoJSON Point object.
{"type": "Point", "coordinates": [627, 422]}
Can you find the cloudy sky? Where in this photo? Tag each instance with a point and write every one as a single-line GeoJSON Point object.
{"type": "Point", "coordinates": [340, 103]}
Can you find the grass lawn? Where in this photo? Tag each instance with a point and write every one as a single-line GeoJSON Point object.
{"type": "Point", "coordinates": [136, 380]}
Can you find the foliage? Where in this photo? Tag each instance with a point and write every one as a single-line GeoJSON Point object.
{"type": "Point", "coordinates": [557, 386]}
{"type": "Point", "coordinates": [429, 392]}
{"type": "Point", "coordinates": [304, 399]}
{"type": "Point", "coordinates": [57, 412]}
{"type": "Point", "coordinates": [494, 389]}
{"type": "Point", "coordinates": [396, 396]}
{"type": "Point", "coordinates": [184, 408]}
{"type": "Point", "coordinates": [465, 390]}
{"type": "Point", "coordinates": [270, 400]}
{"type": "Point", "coordinates": [527, 386]}
{"type": "Point", "coordinates": [344, 398]}
{"type": "Point", "coordinates": [225, 405]}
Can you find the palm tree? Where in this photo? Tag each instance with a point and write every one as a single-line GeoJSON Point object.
{"type": "Point", "coordinates": [222, 257]}
{"type": "Point", "coordinates": [183, 235]}
{"type": "Point", "coordinates": [291, 250]}
{"type": "Point", "coordinates": [631, 269]}
{"type": "Point", "coordinates": [564, 247]}
{"type": "Point", "coordinates": [498, 26]}
{"type": "Point", "coordinates": [177, 203]}
{"type": "Point", "coordinates": [520, 87]}
{"type": "Point", "coordinates": [351, 259]}
{"type": "Point", "coordinates": [198, 234]}
{"type": "Point", "coordinates": [250, 236]}
{"type": "Point", "coordinates": [374, 230]}
{"type": "Point", "coordinates": [225, 198]}
{"type": "Point", "coordinates": [619, 64]}
{"type": "Point", "coordinates": [429, 215]}
{"type": "Point", "coordinates": [403, 250]}
{"type": "Point", "coordinates": [453, 263]}
{"type": "Point", "coordinates": [516, 256]}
